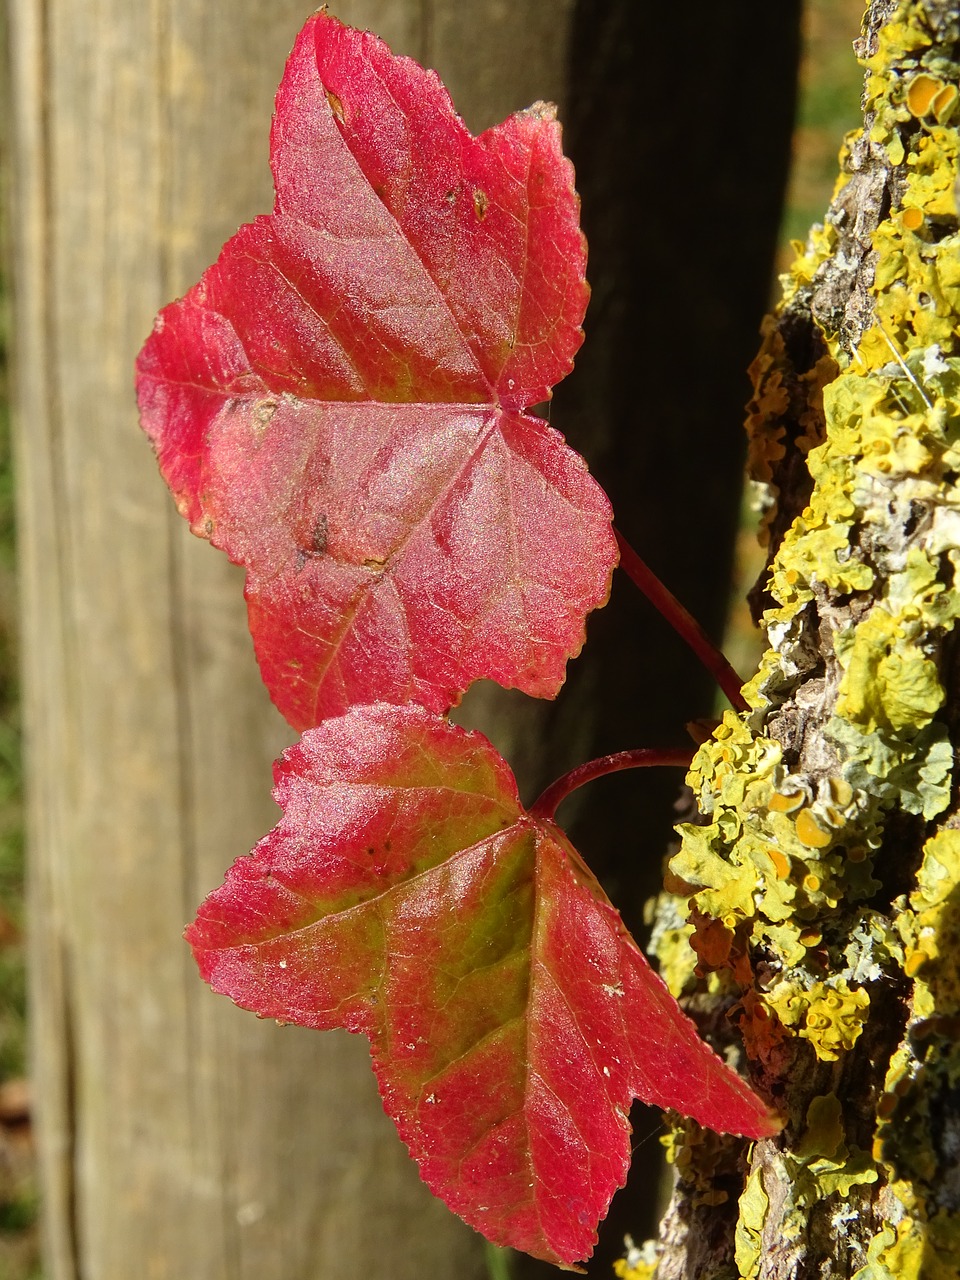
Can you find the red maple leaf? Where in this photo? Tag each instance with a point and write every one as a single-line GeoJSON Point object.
{"type": "Point", "coordinates": [339, 403]}
{"type": "Point", "coordinates": [406, 894]}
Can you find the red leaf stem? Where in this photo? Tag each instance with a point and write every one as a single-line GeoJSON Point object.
{"type": "Point", "coordinates": [683, 622]}
{"type": "Point", "coordinates": [640, 758]}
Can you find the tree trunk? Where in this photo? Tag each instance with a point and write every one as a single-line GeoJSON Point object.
{"type": "Point", "coordinates": [178, 1137]}
{"type": "Point", "coordinates": [824, 873]}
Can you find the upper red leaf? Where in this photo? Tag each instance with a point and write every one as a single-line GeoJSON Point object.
{"type": "Point", "coordinates": [406, 894]}
{"type": "Point", "coordinates": [339, 403]}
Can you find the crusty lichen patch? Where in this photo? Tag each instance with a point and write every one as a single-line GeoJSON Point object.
{"type": "Point", "coordinates": [795, 883]}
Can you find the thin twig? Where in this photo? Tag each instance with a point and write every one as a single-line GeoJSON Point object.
{"type": "Point", "coordinates": [684, 623]}
{"type": "Point", "coordinates": [642, 757]}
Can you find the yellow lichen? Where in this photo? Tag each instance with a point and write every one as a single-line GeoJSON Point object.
{"type": "Point", "coordinates": [888, 681]}
{"type": "Point", "coordinates": [894, 1253]}
{"type": "Point", "coordinates": [865, 595]}
{"type": "Point", "coordinates": [638, 1263]}
{"type": "Point", "coordinates": [932, 932]}
{"type": "Point", "coordinates": [822, 1163]}
{"type": "Point", "coordinates": [748, 1240]}
{"type": "Point", "coordinates": [828, 1014]}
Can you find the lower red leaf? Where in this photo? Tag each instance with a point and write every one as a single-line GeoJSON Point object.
{"type": "Point", "coordinates": [406, 894]}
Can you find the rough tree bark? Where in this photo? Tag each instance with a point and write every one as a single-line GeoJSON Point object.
{"type": "Point", "coordinates": [824, 874]}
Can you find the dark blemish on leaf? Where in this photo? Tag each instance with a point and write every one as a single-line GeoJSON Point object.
{"type": "Point", "coordinates": [317, 546]}
{"type": "Point", "coordinates": [336, 106]}
{"type": "Point", "coordinates": [208, 527]}
{"type": "Point", "coordinates": [388, 845]}
{"type": "Point", "coordinates": [480, 203]}
{"type": "Point", "coordinates": [451, 197]}
{"type": "Point", "coordinates": [371, 851]}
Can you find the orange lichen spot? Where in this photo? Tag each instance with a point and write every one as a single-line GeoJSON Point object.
{"type": "Point", "coordinates": [811, 937]}
{"type": "Point", "coordinates": [914, 963]}
{"type": "Point", "coordinates": [680, 888]}
{"type": "Point", "coordinates": [943, 104]}
{"type": "Point", "coordinates": [810, 833]}
{"type": "Point", "coordinates": [760, 1027]}
{"type": "Point", "coordinates": [911, 219]}
{"type": "Point", "coordinates": [811, 883]}
{"type": "Point", "coordinates": [887, 1105]}
{"type": "Point", "coordinates": [742, 968]}
{"type": "Point", "coordinates": [840, 790]}
{"type": "Point", "coordinates": [711, 940]}
{"type": "Point", "coordinates": [779, 860]}
{"type": "Point", "coordinates": [921, 93]}
{"type": "Point", "coordinates": [786, 802]}
{"type": "Point", "coordinates": [857, 853]}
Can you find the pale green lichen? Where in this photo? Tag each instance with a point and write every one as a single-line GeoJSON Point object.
{"type": "Point", "coordinates": [822, 1163]}
{"type": "Point", "coordinates": [785, 864]}
{"type": "Point", "coordinates": [748, 1241]}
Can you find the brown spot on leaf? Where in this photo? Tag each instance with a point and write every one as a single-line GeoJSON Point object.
{"type": "Point", "coordinates": [480, 203]}
{"type": "Point", "coordinates": [336, 106]}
